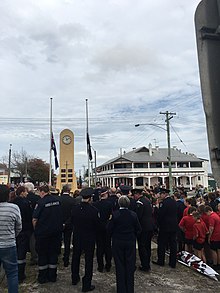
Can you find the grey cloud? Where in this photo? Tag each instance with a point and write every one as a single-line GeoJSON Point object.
{"type": "Point", "coordinates": [122, 57]}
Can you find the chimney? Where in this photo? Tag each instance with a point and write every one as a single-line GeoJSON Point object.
{"type": "Point", "coordinates": [150, 149]}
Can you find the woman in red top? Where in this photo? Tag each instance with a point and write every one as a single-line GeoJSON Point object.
{"type": "Point", "coordinates": [199, 235]}
{"type": "Point", "coordinates": [186, 224]}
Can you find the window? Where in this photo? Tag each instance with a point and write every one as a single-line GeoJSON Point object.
{"type": "Point", "coordinates": [70, 180]}
{"type": "Point", "coordinates": [63, 180]}
{"type": "Point", "coordinates": [63, 170]}
{"type": "Point", "coordinates": [63, 175]}
{"type": "Point", "coordinates": [70, 175]}
{"type": "Point", "coordinates": [70, 170]}
{"type": "Point", "coordinates": [122, 166]}
{"type": "Point", "coordinates": [196, 164]}
{"type": "Point", "coordinates": [182, 165]}
{"type": "Point", "coordinates": [199, 178]}
{"type": "Point", "coordinates": [139, 181]}
{"type": "Point", "coordinates": [140, 165]}
{"type": "Point", "coordinates": [166, 164]}
{"type": "Point", "coordinates": [155, 165]}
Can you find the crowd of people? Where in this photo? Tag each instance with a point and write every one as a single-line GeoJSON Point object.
{"type": "Point", "coordinates": [108, 221]}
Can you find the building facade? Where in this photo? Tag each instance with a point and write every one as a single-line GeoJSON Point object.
{"type": "Point", "coordinates": [149, 166]}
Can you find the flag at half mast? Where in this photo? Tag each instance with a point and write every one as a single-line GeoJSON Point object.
{"type": "Point", "coordinates": [89, 151]}
{"type": "Point", "coordinates": [53, 147]}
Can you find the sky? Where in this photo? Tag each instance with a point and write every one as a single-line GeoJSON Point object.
{"type": "Point", "coordinates": [130, 59]}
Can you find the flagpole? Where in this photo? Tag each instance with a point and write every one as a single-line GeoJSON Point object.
{"type": "Point", "coordinates": [87, 131]}
{"type": "Point", "coordinates": [50, 171]}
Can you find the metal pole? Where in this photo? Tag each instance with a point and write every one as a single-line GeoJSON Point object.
{"type": "Point", "coordinates": [50, 171]}
{"type": "Point", "coordinates": [95, 168]}
{"type": "Point", "coordinates": [9, 165]}
{"type": "Point", "coordinates": [169, 154]}
{"type": "Point", "coordinates": [92, 172]}
{"type": "Point", "coordinates": [87, 131]}
{"type": "Point", "coordinates": [169, 149]}
{"type": "Point", "coordinates": [26, 171]}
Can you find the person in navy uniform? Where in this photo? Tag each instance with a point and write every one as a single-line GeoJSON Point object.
{"type": "Point", "coordinates": [126, 190]}
{"type": "Point", "coordinates": [167, 224]}
{"type": "Point", "coordinates": [145, 216]}
{"type": "Point", "coordinates": [67, 203]}
{"type": "Point", "coordinates": [48, 225]}
{"type": "Point", "coordinates": [23, 239]}
{"type": "Point", "coordinates": [86, 222]}
{"type": "Point", "coordinates": [124, 227]}
{"type": "Point", "coordinates": [103, 241]}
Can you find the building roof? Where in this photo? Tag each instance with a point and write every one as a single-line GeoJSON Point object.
{"type": "Point", "coordinates": [142, 155]}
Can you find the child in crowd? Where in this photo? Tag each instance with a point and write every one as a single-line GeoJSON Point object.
{"type": "Point", "coordinates": [187, 203]}
{"type": "Point", "coordinates": [199, 235]}
{"type": "Point", "coordinates": [186, 224]}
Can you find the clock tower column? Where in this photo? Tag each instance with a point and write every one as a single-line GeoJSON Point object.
{"type": "Point", "coordinates": [66, 172]}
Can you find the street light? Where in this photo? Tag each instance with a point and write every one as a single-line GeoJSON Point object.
{"type": "Point", "coordinates": [167, 129]}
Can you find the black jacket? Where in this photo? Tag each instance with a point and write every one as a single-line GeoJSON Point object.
{"type": "Point", "coordinates": [124, 225]}
{"type": "Point", "coordinates": [85, 221]}
{"type": "Point", "coordinates": [145, 214]}
{"type": "Point", "coordinates": [67, 203]}
{"type": "Point", "coordinates": [167, 215]}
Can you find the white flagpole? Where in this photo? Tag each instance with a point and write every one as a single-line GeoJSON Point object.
{"type": "Point", "coordinates": [87, 132]}
{"type": "Point", "coordinates": [50, 171]}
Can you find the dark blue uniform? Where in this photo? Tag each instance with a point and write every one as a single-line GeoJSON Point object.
{"type": "Point", "coordinates": [23, 239]}
{"type": "Point", "coordinates": [103, 242]}
{"type": "Point", "coordinates": [167, 223]}
{"type": "Point", "coordinates": [124, 227]}
{"type": "Point", "coordinates": [145, 216]}
{"type": "Point", "coordinates": [85, 220]}
{"type": "Point", "coordinates": [48, 232]}
{"type": "Point", "coordinates": [67, 203]}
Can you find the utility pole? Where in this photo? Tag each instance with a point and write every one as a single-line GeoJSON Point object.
{"type": "Point", "coordinates": [9, 164]}
{"type": "Point", "coordinates": [169, 115]}
{"type": "Point", "coordinates": [95, 168]}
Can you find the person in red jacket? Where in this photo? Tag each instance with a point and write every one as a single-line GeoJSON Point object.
{"type": "Point", "coordinates": [199, 235]}
{"type": "Point", "coordinates": [214, 236]}
{"type": "Point", "coordinates": [186, 224]}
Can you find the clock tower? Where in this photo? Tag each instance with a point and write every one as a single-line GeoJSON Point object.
{"type": "Point", "coordinates": [66, 172]}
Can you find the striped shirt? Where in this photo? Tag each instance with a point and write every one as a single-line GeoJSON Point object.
{"type": "Point", "coordinates": [10, 224]}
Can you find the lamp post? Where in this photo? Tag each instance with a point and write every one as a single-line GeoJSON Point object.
{"type": "Point", "coordinates": [9, 164]}
{"type": "Point", "coordinates": [167, 129]}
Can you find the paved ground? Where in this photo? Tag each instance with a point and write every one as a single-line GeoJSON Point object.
{"type": "Point", "coordinates": [161, 279]}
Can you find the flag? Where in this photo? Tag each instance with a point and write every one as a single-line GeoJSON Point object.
{"type": "Point", "coordinates": [53, 147]}
{"type": "Point", "coordinates": [89, 151]}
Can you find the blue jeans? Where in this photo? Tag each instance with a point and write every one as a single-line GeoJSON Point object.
{"type": "Point", "coordinates": [8, 257]}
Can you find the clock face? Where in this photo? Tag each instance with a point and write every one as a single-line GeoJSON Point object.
{"type": "Point", "coordinates": [66, 139]}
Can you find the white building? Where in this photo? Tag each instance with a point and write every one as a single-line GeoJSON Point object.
{"type": "Point", "coordinates": [149, 166]}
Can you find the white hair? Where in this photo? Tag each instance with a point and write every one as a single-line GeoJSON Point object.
{"type": "Point", "coordinates": [29, 186]}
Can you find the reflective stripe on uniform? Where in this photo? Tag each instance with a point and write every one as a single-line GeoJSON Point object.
{"type": "Point", "coordinates": [140, 202]}
{"type": "Point", "coordinates": [21, 261]}
{"type": "Point", "coordinates": [52, 266]}
{"type": "Point", "coordinates": [43, 267]}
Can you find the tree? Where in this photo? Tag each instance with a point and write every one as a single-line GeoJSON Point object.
{"type": "Point", "coordinates": [19, 163]}
{"type": "Point", "coordinates": [38, 170]}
